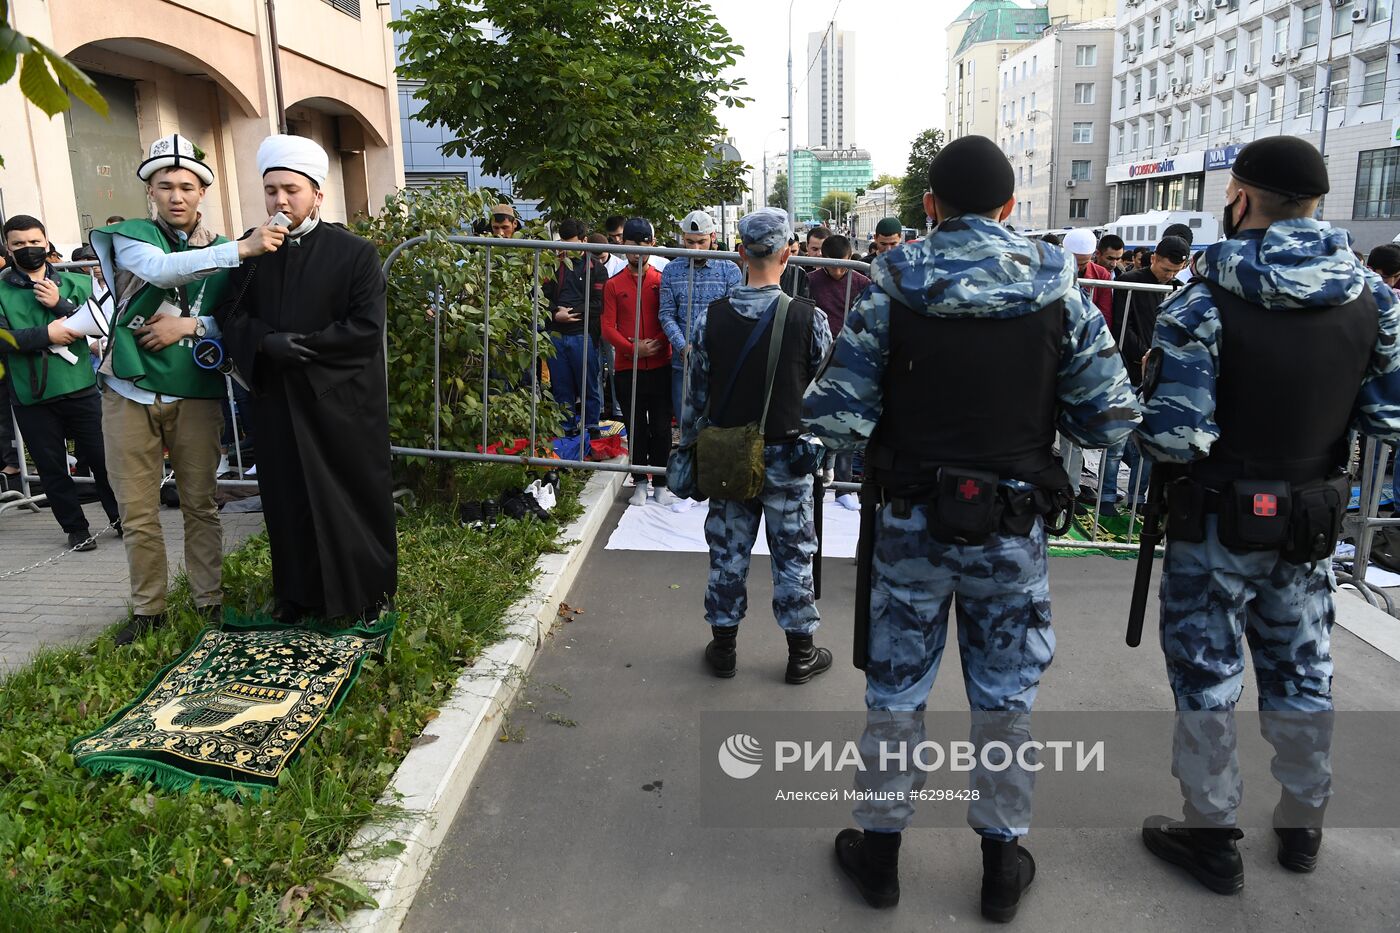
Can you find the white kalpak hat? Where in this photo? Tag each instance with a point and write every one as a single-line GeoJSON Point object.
{"type": "Point", "coordinates": [175, 151]}
{"type": "Point", "coordinates": [1080, 241]}
{"type": "Point", "coordinates": [295, 154]}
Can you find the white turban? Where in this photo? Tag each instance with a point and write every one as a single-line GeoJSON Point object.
{"type": "Point", "coordinates": [1081, 241]}
{"type": "Point", "coordinates": [295, 154]}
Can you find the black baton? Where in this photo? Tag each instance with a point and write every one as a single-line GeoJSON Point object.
{"type": "Point", "coordinates": [1153, 520]}
{"type": "Point", "coordinates": [865, 557]}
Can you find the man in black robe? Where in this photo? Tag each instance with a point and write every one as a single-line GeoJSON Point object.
{"type": "Point", "coordinates": [305, 326]}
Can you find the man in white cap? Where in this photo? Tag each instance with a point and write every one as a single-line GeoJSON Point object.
{"type": "Point", "coordinates": [1083, 244]}
{"type": "Point", "coordinates": [305, 326]}
{"type": "Point", "coordinates": [687, 288]}
{"type": "Point", "coordinates": [167, 274]}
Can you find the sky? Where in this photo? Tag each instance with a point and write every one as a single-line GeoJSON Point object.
{"type": "Point", "coordinates": [900, 72]}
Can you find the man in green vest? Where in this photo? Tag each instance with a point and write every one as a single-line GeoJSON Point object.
{"type": "Point", "coordinates": [50, 376]}
{"type": "Point", "coordinates": [167, 275]}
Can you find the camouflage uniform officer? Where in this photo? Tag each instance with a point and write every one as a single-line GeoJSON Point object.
{"type": "Point", "coordinates": [959, 363]}
{"type": "Point", "coordinates": [1283, 343]}
{"type": "Point", "coordinates": [790, 460]}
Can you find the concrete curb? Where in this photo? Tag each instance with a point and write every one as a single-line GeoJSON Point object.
{"type": "Point", "coordinates": [432, 782]}
{"type": "Point", "coordinates": [1377, 628]}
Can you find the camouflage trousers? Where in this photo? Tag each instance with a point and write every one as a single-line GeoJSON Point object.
{"type": "Point", "coordinates": [1213, 599]}
{"type": "Point", "coordinates": [731, 528]}
{"type": "Point", "coordinates": [1005, 643]}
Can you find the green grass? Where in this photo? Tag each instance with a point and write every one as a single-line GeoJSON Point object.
{"type": "Point", "coordinates": [79, 852]}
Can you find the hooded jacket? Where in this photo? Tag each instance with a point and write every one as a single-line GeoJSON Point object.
{"type": "Point", "coordinates": [1294, 264]}
{"type": "Point", "coordinates": [972, 266]}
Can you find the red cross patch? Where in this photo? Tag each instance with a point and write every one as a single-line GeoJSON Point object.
{"type": "Point", "coordinates": [1265, 505]}
{"type": "Point", "coordinates": [969, 491]}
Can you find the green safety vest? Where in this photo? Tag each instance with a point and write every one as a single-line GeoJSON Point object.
{"type": "Point", "coordinates": [171, 371]}
{"type": "Point", "coordinates": [41, 376]}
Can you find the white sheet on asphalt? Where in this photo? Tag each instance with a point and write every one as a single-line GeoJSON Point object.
{"type": "Point", "coordinates": [653, 527]}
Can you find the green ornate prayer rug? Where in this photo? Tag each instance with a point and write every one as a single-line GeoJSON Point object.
{"type": "Point", "coordinates": [1112, 528]}
{"type": "Point", "coordinates": [234, 709]}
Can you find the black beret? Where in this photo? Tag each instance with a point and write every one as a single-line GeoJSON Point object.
{"type": "Point", "coordinates": [972, 173]}
{"type": "Point", "coordinates": [1284, 165]}
{"type": "Point", "coordinates": [1174, 248]}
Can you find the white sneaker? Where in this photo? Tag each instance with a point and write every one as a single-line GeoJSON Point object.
{"type": "Point", "coordinates": [850, 501]}
{"type": "Point", "coordinates": [543, 494]}
{"type": "Point", "coordinates": [682, 505]}
{"type": "Point", "coordinates": [639, 494]}
{"type": "Point", "coordinates": [665, 496]}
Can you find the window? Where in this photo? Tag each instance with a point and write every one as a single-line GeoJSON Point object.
{"type": "Point", "coordinates": [1373, 82]}
{"type": "Point", "coordinates": [1083, 132]}
{"type": "Point", "coordinates": [1152, 82]}
{"type": "Point", "coordinates": [1023, 106]}
{"type": "Point", "coordinates": [1135, 136]}
{"type": "Point", "coordinates": [1341, 19]}
{"type": "Point", "coordinates": [1251, 101]}
{"type": "Point", "coordinates": [1187, 75]}
{"type": "Point", "coordinates": [1312, 24]}
{"type": "Point", "coordinates": [1023, 71]}
{"type": "Point", "coordinates": [1281, 34]}
{"type": "Point", "coordinates": [1084, 93]}
{"type": "Point", "coordinates": [1205, 120]}
{"type": "Point", "coordinates": [1305, 97]}
{"type": "Point", "coordinates": [1156, 31]}
{"type": "Point", "coordinates": [1020, 176]}
{"type": "Point", "coordinates": [1137, 87]}
{"type": "Point", "coordinates": [352, 7]}
{"type": "Point", "coordinates": [1035, 63]}
{"type": "Point", "coordinates": [1207, 62]}
{"type": "Point", "coordinates": [1228, 63]}
{"type": "Point", "coordinates": [1141, 36]}
{"type": "Point", "coordinates": [1276, 104]}
{"type": "Point", "coordinates": [1033, 100]}
{"type": "Point", "coordinates": [1032, 139]}
{"type": "Point", "coordinates": [1030, 174]}
{"type": "Point", "coordinates": [1079, 169]}
{"type": "Point", "coordinates": [1254, 41]}
{"type": "Point", "coordinates": [1078, 208]}
{"type": "Point", "coordinates": [1122, 94]}
{"type": "Point", "coordinates": [1337, 96]}
{"type": "Point", "coordinates": [1151, 133]}
{"type": "Point", "coordinates": [1377, 185]}
{"type": "Point", "coordinates": [1380, 11]}
{"type": "Point", "coordinates": [1119, 147]}
{"type": "Point", "coordinates": [1227, 115]}
{"type": "Point", "coordinates": [1167, 128]}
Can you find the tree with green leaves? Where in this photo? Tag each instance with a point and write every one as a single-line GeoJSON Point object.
{"type": "Point", "coordinates": [46, 79]}
{"type": "Point", "coordinates": [592, 106]}
{"type": "Point", "coordinates": [915, 182]}
{"type": "Point", "coordinates": [777, 192]}
{"type": "Point", "coordinates": [836, 205]}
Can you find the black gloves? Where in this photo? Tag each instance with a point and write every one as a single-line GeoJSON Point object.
{"type": "Point", "coordinates": [287, 349]}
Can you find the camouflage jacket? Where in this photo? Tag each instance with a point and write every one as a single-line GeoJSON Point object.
{"type": "Point", "coordinates": [973, 266]}
{"type": "Point", "coordinates": [1294, 264]}
{"type": "Point", "coordinates": [751, 303]}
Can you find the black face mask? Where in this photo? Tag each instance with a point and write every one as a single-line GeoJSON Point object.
{"type": "Point", "coordinates": [30, 258]}
{"type": "Point", "coordinates": [1228, 224]}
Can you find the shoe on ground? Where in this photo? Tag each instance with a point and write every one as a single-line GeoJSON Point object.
{"type": "Point", "coordinates": [805, 660]}
{"type": "Point", "coordinates": [1299, 831]}
{"type": "Point", "coordinates": [721, 654]}
{"type": "Point", "coordinates": [138, 626]}
{"type": "Point", "coordinates": [1209, 855]}
{"type": "Point", "coordinates": [1007, 870]}
{"type": "Point", "coordinates": [543, 494]}
{"type": "Point", "coordinates": [871, 860]}
{"type": "Point", "coordinates": [665, 497]}
{"type": "Point", "coordinates": [639, 493]}
{"type": "Point", "coordinates": [82, 541]}
{"type": "Point", "coordinates": [117, 527]}
{"type": "Point", "coordinates": [680, 506]}
{"type": "Point", "coordinates": [849, 501]}
{"type": "Point", "coordinates": [211, 613]}
{"type": "Point", "coordinates": [490, 513]}
{"type": "Point", "coordinates": [469, 515]}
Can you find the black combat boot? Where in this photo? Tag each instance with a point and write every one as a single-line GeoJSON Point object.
{"type": "Point", "coordinates": [871, 860]}
{"type": "Point", "coordinates": [720, 653]}
{"type": "Point", "coordinates": [138, 626]}
{"type": "Point", "coordinates": [805, 660]}
{"type": "Point", "coordinates": [1209, 855]}
{"type": "Point", "coordinates": [1299, 830]}
{"type": "Point", "coordinates": [1007, 870]}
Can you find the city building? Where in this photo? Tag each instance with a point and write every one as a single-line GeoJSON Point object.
{"type": "Point", "coordinates": [1053, 125]}
{"type": "Point", "coordinates": [831, 83]}
{"type": "Point", "coordinates": [984, 35]}
{"type": "Point", "coordinates": [208, 71]}
{"type": "Point", "coordinates": [1194, 80]}
{"type": "Point", "coordinates": [871, 208]}
{"type": "Point", "coordinates": [816, 172]}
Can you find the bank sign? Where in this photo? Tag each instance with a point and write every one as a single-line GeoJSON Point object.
{"type": "Point", "coordinates": [1223, 157]}
{"type": "Point", "coordinates": [1176, 165]}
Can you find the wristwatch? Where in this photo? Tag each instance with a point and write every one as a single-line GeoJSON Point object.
{"type": "Point", "coordinates": [199, 329]}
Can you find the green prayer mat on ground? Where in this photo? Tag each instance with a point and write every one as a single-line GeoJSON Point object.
{"type": "Point", "coordinates": [1112, 528]}
{"type": "Point", "coordinates": [237, 706]}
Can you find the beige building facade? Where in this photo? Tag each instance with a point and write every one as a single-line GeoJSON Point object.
{"type": "Point", "coordinates": [204, 69]}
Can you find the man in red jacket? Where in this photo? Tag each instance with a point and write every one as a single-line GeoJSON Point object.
{"type": "Point", "coordinates": [1082, 244]}
{"type": "Point", "coordinates": [643, 358]}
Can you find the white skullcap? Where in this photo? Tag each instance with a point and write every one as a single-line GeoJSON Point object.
{"type": "Point", "coordinates": [175, 151]}
{"type": "Point", "coordinates": [295, 154]}
{"type": "Point", "coordinates": [1081, 242]}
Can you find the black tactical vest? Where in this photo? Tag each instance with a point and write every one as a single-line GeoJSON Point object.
{"type": "Point", "coordinates": [1286, 388]}
{"type": "Point", "coordinates": [974, 392]}
{"type": "Point", "coordinates": [726, 332]}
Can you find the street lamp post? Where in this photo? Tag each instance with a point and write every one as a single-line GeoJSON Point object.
{"type": "Point", "coordinates": [781, 129]}
{"type": "Point", "coordinates": [792, 182]}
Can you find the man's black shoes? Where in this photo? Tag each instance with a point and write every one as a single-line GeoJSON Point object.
{"type": "Point", "coordinates": [871, 860]}
{"type": "Point", "coordinates": [1299, 830]}
{"type": "Point", "coordinates": [82, 541]}
{"type": "Point", "coordinates": [138, 626]}
{"type": "Point", "coordinates": [1210, 855]}
{"type": "Point", "coordinates": [721, 653]}
{"type": "Point", "coordinates": [1007, 870]}
{"type": "Point", "coordinates": [805, 660]}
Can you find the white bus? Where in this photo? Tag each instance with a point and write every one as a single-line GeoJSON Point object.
{"type": "Point", "coordinates": [1147, 229]}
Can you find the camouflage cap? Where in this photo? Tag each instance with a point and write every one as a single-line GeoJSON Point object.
{"type": "Point", "coordinates": [765, 231]}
